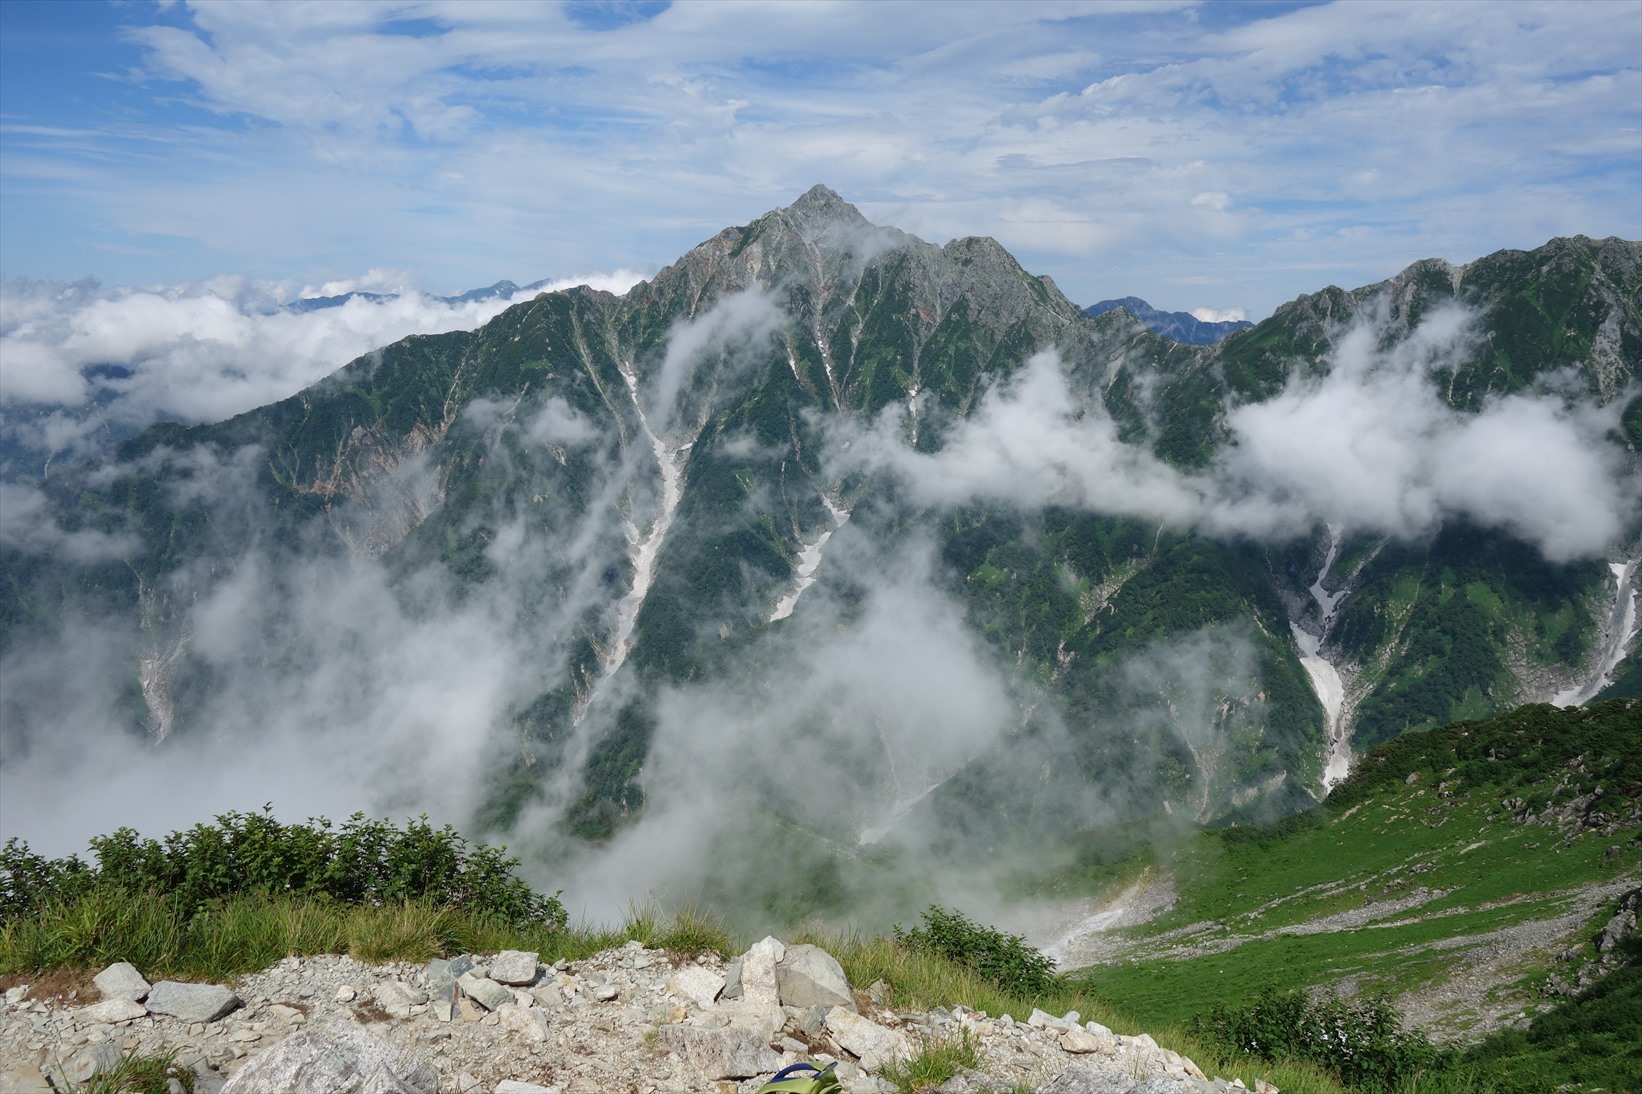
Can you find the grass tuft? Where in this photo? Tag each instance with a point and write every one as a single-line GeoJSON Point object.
{"type": "Point", "coordinates": [937, 1060]}
{"type": "Point", "coordinates": [141, 1075]}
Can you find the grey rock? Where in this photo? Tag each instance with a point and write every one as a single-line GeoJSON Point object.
{"type": "Point", "coordinates": [514, 967]}
{"type": "Point", "coordinates": [973, 1082]}
{"type": "Point", "coordinates": [808, 976]}
{"type": "Point", "coordinates": [437, 972]}
{"type": "Point", "coordinates": [121, 980]}
{"type": "Point", "coordinates": [732, 980]}
{"type": "Point", "coordinates": [1623, 924]}
{"type": "Point", "coordinates": [21, 1078]}
{"type": "Point", "coordinates": [91, 1061]}
{"type": "Point", "coordinates": [192, 1002]}
{"type": "Point", "coordinates": [484, 991]}
{"type": "Point", "coordinates": [460, 965]}
{"type": "Point", "coordinates": [698, 985]}
{"type": "Point", "coordinates": [112, 1011]}
{"type": "Point", "coordinates": [727, 1053]}
{"type": "Point", "coordinates": [812, 1021]}
{"type": "Point", "coordinates": [874, 1045]}
{"type": "Point", "coordinates": [398, 998]}
{"type": "Point", "coordinates": [1083, 1080]}
{"type": "Point", "coordinates": [518, 1086]}
{"type": "Point", "coordinates": [605, 993]}
{"type": "Point", "coordinates": [330, 1061]}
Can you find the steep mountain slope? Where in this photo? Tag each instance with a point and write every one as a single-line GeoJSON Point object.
{"type": "Point", "coordinates": [1469, 871]}
{"type": "Point", "coordinates": [825, 505]}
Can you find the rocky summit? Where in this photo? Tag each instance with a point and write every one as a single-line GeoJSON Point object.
{"type": "Point", "coordinates": [628, 1019]}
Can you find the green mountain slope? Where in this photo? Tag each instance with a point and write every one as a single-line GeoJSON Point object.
{"type": "Point", "coordinates": [1467, 871]}
{"type": "Point", "coordinates": [747, 519]}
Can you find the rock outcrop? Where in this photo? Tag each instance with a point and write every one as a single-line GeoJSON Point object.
{"type": "Point", "coordinates": [627, 1019]}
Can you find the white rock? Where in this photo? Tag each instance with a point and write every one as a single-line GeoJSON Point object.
{"type": "Point", "coordinates": [484, 991]}
{"type": "Point", "coordinates": [323, 1062]}
{"type": "Point", "coordinates": [113, 1011]}
{"type": "Point", "coordinates": [873, 1044]}
{"type": "Point", "coordinates": [517, 1086]}
{"type": "Point", "coordinates": [397, 998]}
{"type": "Point", "coordinates": [758, 979]}
{"type": "Point", "coordinates": [121, 980]}
{"type": "Point", "coordinates": [698, 985]}
{"type": "Point", "coordinates": [1079, 1040]}
{"type": "Point", "coordinates": [345, 994]}
{"type": "Point", "coordinates": [720, 1053]}
{"type": "Point", "coordinates": [528, 1022]}
{"type": "Point", "coordinates": [514, 967]}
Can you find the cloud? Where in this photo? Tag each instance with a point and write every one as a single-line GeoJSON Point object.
{"type": "Point", "coordinates": [1113, 146]}
{"type": "Point", "coordinates": [1367, 443]}
{"type": "Point", "coordinates": [81, 358]}
{"type": "Point", "coordinates": [1218, 315]}
{"type": "Point", "coordinates": [28, 525]}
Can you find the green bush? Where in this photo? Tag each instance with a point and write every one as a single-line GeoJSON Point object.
{"type": "Point", "coordinates": [1363, 1042]}
{"type": "Point", "coordinates": [361, 862]}
{"type": "Point", "coordinates": [1004, 959]}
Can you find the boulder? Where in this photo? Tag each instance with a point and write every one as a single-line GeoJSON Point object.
{"type": "Point", "coordinates": [758, 979]}
{"type": "Point", "coordinates": [327, 1061]}
{"type": "Point", "coordinates": [192, 1002]}
{"type": "Point", "coordinates": [874, 1045]}
{"type": "Point", "coordinates": [484, 991]}
{"type": "Point", "coordinates": [121, 980]}
{"type": "Point", "coordinates": [700, 986]}
{"type": "Point", "coordinates": [808, 976]}
{"type": "Point", "coordinates": [112, 1011]}
{"type": "Point", "coordinates": [727, 1053]}
{"type": "Point", "coordinates": [514, 967]}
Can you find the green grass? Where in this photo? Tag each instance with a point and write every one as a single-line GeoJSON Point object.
{"type": "Point", "coordinates": [251, 932]}
{"type": "Point", "coordinates": [141, 1074]}
{"type": "Point", "coordinates": [937, 1060]}
{"type": "Point", "coordinates": [1381, 837]}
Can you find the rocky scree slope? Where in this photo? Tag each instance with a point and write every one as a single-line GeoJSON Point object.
{"type": "Point", "coordinates": [628, 1019]}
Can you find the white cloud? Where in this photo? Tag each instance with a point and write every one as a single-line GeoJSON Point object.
{"type": "Point", "coordinates": [1103, 142]}
{"type": "Point", "coordinates": [1369, 445]}
{"type": "Point", "coordinates": [1219, 315]}
{"type": "Point", "coordinates": [206, 351]}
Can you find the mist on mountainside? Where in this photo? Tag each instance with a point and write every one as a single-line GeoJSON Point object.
{"type": "Point", "coordinates": [690, 593]}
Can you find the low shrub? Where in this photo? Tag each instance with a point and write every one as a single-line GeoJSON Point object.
{"type": "Point", "coordinates": [360, 862]}
{"type": "Point", "coordinates": [1363, 1042]}
{"type": "Point", "coordinates": [1004, 959]}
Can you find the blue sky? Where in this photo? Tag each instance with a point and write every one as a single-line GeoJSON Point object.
{"type": "Point", "coordinates": [1224, 156]}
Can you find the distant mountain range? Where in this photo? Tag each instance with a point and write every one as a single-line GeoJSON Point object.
{"type": "Point", "coordinates": [882, 550]}
{"type": "Point", "coordinates": [499, 291]}
{"type": "Point", "coordinates": [1177, 326]}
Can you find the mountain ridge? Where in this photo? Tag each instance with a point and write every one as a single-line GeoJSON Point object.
{"type": "Point", "coordinates": [612, 497]}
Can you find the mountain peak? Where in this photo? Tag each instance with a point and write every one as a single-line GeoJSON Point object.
{"type": "Point", "coordinates": [821, 204]}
